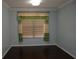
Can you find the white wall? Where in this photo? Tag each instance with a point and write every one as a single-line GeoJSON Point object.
{"type": "Point", "coordinates": [66, 28]}
{"type": "Point", "coordinates": [5, 27]}
{"type": "Point", "coordinates": [14, 28]}
{"type": "Point", "coordinates": [36, 41]}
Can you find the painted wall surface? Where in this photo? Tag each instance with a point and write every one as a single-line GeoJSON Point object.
{"type": "Point", "coordinates": [36, 41]}
{"type": "Point", "coordinates": [5, 27]}
{"type": "Point", "coordinates": [66, 28]}
{"type": "Point", "coordinates": [14, 28]}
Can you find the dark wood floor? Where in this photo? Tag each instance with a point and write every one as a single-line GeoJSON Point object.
{"type": "Point", "coordinates": [37, 52]}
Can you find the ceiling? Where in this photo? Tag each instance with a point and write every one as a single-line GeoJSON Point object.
{"type": "Point", "coordinates": [25, 3]}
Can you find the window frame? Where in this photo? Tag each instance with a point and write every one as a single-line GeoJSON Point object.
{"type": "Point", "coordinates": [33, 36]}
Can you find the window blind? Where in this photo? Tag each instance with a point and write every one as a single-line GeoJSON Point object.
{"type": "Point", "coordinates": [33, 24]}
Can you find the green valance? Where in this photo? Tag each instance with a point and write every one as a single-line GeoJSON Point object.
{"type": "Point", "coordinates": [33, 17]}
{"type": "Point", "coordinates": [20, 18]}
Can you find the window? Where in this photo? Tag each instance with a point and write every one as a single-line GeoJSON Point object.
{"type": "Point", "coordinates": [32, 24]}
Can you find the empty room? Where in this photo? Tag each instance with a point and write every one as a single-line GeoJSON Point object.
{"type": "Point", "coordinates": [38, 29]}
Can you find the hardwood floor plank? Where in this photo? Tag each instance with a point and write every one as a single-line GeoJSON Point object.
{"type": "Point", "coordinates": [37, 52]}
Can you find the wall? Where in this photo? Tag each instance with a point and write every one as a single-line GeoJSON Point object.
{"type": "Point", "coordinates": [66, 28]}
{"type": "Point", "coordinates": [36, 41]}
{"type": "Point", "coordinates": [5, 28]}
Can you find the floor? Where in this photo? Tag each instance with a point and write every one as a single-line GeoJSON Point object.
{"type": "Point", "coordinates": [37, 52]}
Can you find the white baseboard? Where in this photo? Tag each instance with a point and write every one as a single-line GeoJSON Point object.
{"type": "Point", "coordinates": [33, 45]}
{"type": "Point", "coordinates": [6, 51]}
{"type": "Point", "coordinates": [66, 51]}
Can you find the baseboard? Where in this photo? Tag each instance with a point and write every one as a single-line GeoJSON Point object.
{"type": "Point", "coordinates": [33, 45]}
{"type": "Point", "coordinates": [6, 52]}
{"type": "Point", "coordinates": [66, 51]}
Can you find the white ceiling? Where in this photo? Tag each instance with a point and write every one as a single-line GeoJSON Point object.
{"type": "Point", "coordinates": [44, 4]}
